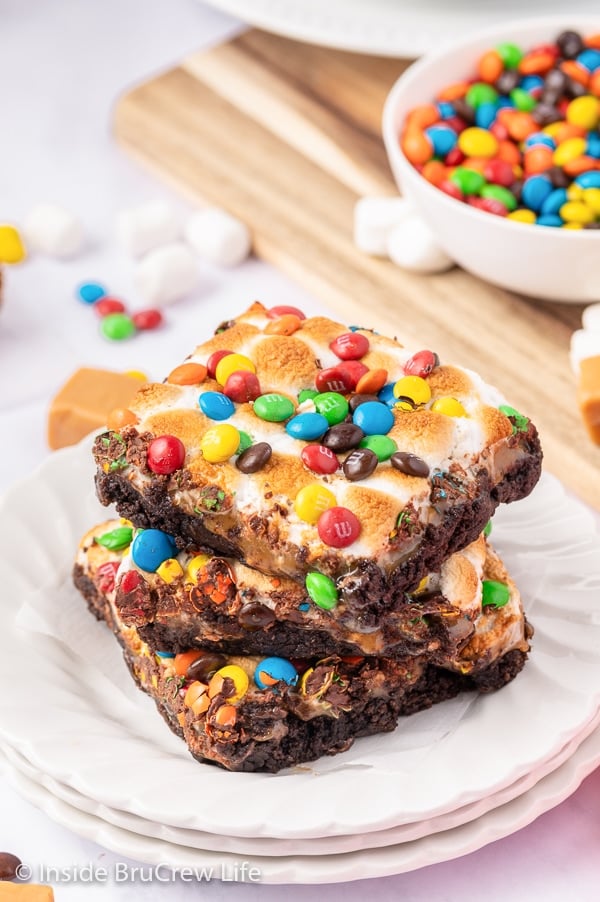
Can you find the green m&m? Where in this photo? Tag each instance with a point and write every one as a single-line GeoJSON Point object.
{"type": "Point", "coordinates": [332, 406]}
{"type": "Point", "coordinates": [322, 590]}
{"type": "Point", "coordinates": [381, 445]}
{"type": "Point", "coordinates": [494, 594]}
{"type": "Point", "coordinates": [117, 326]}
{"type": "Point", "coordinates": [273, 407]}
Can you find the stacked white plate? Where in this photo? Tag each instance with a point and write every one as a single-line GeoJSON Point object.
{"type": "Point", "coordinates": [82, 743]}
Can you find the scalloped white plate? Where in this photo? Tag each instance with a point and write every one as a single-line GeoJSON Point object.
{"type": "Point", "coordinates": [381, 862]}
{"type": "Point", "coordinates": [197, 839]}
{"type": "Point", "coordinates": [90, 730]}
{"type": "Point", "coordinates": [385, 27]}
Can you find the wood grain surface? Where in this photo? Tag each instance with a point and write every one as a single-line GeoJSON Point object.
{"type": "Point", "coordinates": [287, 136]}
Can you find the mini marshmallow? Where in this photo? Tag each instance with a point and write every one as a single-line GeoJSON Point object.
{"type": "Point", "coordinates": [584, 343]}
{"type": "Point", "coordinates": [54, 231]}
{"type": "Point", "coordinates": [218, 237]}
{"type": "Point", "coordinates": [144, 228]}
{"type": "Point", "coordinates": [374, 219]}
{"type": "Point", "coordinates": [412, 245]}
{"type": "Point", "coordinates": [591, 318]}
{"type": "Point", "coordinates": [166, 274]}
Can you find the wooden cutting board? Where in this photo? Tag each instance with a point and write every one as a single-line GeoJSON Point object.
{"type": "Point", "coordinates": [287, 136]}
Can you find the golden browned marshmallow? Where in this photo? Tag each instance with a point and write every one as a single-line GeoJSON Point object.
{"type": "Point", "coordinates": [85, 402]}
{"type": "Point", "coordinates": [588, 396]}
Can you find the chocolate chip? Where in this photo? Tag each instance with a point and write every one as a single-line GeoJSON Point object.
{"type": "Point", "coordinates": [575, 89]}
{"type": "Point", "coordinates": [464, 110]}
{"type": "Point", "coordinates": [356, 400]}
{"type": "Point", "coordinates": [205, 665]}
{"type": "Point", "coordinates": [409, 464]}
{"type": "Point", "coordinates": [507, 81]}
{"type": "Point", "coordinates": [570, 44]}
{"type": "Point", "coordinates": [224, 326]}
{"type": "Point", "coordinates": [9, 865]}
{"type": "Point", "coordinates": [343, 437]}
{"type": "Point", "coordinates": [254, 458]}
{"type": "Point", "coordinates": [546, 114]}
{"type": "Point", "coordinates": [255, 616]}
{"type": "Point", "coordinates": [359, 464]}
{"type": "Point", "coordinates": [554, 85]}
{"type": "Point", "coordinates": [517, 189]}
{"type": "Point", "coordinates": [558, 178]}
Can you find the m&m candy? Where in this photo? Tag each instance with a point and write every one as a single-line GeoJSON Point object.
{"type": "Point", "coordinates": [338, 527]}
{"type": "Point", "coordinates": [520, 126]}
{"type": "Point", "coordinates": [151, 548]}
{"type": "Point", "coordinates": [216, 405]}
{"type": "Point", "coordinates": [166, 454]}
{"type": "Point", "coordinates": [271, 671]}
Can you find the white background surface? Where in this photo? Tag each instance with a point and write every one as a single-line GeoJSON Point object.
{"type": "Point", "coordinates": [62, 64]}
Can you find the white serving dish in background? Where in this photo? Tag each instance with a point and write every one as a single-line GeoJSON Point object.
{"type": "Point", "coordinates": [546, 263]}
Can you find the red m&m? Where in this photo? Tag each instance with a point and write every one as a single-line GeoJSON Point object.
{"type": "Point", "coordinates": [350, 346]}
{"type": "Point", "coordinates": [166, 454]}
{"type": "Point", "coordinates": [319, 459]}
{"type": "Point", "coordinates": [338, 527]}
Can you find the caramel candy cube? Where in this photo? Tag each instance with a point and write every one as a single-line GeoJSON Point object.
{"type": "Point", "coordinates": [25, 892]}
{"type": "Point", "coordinates": [84, 403]}
{"type": "Point", "coordinates": [588, 396]}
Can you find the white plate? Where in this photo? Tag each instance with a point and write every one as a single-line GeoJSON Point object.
{"type": "Point", "coordinates": [197, 839]}
{"type": "Point", "coordinates": [382, 862]}
{"type": "Point", "coordinates": [386, 27]}
{"type": "Point", "coordinates": [93, 732]}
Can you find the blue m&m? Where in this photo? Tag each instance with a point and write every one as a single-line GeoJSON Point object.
{"type": "Point", "coordinates": [374, 418]}
{"type": "Point", "coordinates": [215, 405]}
{"type": "Point", "coordinates": [307, 426]}
{"type": "Point", "coordinates": [151, 548]}
{"type": "Point", "coordinates": [270, 671]}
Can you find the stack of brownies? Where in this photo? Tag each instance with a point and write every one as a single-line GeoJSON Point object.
{"type": "Point", "coordinates": [301, 555]}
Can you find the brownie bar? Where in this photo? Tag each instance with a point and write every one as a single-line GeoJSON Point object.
{"type": "Point", "coordinates": [447, 453]}
{"type": "Point", "coordinates": [202, 601]}
{"type": "Point", "coordinates": [227, 720]}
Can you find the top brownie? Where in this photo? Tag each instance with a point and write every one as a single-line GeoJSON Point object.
{"type": "Point", "coordinates": [328, 454]}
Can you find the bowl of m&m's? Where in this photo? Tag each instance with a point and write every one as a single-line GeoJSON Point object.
{"type": "Point", "coordinates": [496, 141]}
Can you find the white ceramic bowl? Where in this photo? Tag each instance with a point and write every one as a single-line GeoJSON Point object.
{"type": "Point", "coordinates": [547, 263]}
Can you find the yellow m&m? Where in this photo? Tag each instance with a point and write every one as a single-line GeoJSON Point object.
{"type": "Point", "coordinates": [11, 246]}
{"type": "Point", "coordinates": [220, 443]}
{"type": "Point", "coordinates": [197, 563]}
{"type": "Point", "coordinates": [413, 387]}
{"type": "Point", "coordinates": [238, 677]}
{"type": "Point", "coordinates": [312, 501]}
{"type": "Point", "coordinates": [170, 569]}
{"type": "Point", "coordinates": [450, 407]}
{"type": "Point", "coordinates": [232, 363]}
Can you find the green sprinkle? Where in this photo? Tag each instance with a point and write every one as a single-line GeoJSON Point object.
{"type": "Point", "coordinates": [487, 529]}
{"type": "Point", "coordinates": [116, 539]}
{"type": "Point", "coordinates": [119, 464]}
{"type": "Point", "coordinates": [520, 423]}
{"type": "Point", "coordinates": [322, 590]}
{"type": "Point", "coordinates": [494, 594]}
